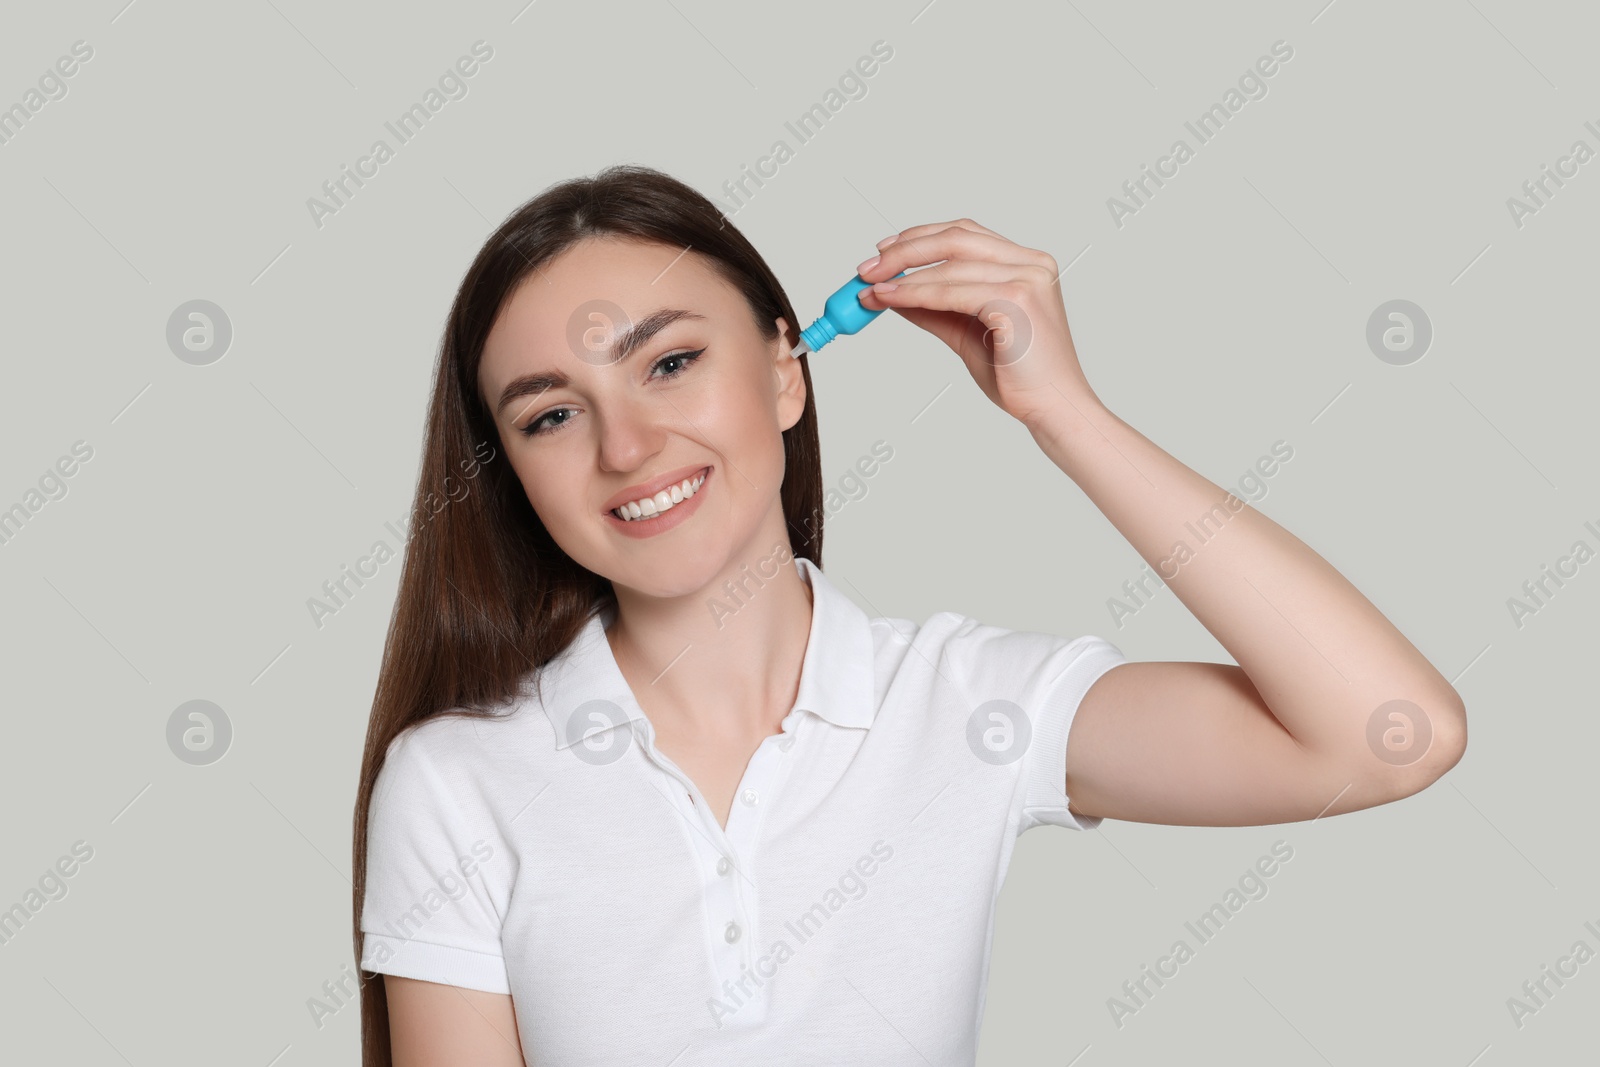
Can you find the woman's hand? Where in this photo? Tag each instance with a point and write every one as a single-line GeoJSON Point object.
{"type": "Point", "coordinates": [996, 304]}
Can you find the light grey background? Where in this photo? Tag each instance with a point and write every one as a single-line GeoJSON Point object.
{"type": "Point", "coordinates": [1228, 313]}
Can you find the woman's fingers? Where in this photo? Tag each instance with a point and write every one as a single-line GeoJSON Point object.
{"type": "Point", "coordinates": [930, 227]}
{"type": "Point", "coordinates": [990, 300]}
{"type": "Point", "coordinates": [968, 298]}
{"type": "Point", "coordinates": [957, 272]}
{"type": "Point", "coordinates": [952, 242]}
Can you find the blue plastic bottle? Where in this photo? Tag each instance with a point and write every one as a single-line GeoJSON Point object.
{"type": "Point", "coordinates": [842, 314]}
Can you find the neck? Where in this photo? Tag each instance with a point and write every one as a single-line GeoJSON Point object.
{"type": "Point", "coordinates": [724, 660]}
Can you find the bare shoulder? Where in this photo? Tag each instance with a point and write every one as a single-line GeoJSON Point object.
{"type": "Point", "coordinates": [433, 1025]}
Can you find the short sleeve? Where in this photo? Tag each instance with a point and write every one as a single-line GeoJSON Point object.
{"type": "Point", "coordinates": [433, 869]}
{"type": "Point", "coordinates": [1046, 677]}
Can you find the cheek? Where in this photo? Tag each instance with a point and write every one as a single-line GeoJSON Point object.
{"type": "Point", "coordinates": [740, 403]}
{"type": "Point", "coordinates": [548, 498]}
{"type": "Point", "coordinates": [741, 422]}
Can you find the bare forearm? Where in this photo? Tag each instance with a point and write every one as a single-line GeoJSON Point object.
{"type": "Point", "coordinates": [1320, 654]}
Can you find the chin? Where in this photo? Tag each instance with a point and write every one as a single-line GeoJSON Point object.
{"type": "Point", "coordinates": [684, 577]}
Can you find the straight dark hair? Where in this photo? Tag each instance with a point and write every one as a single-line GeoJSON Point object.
{"type": "Point", "coordinates": [486, 596]}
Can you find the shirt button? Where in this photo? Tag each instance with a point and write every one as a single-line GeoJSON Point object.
{"type": "Point", "coordinates": [723, 866]}
{"type": "Point", "coordinates": [731, 933]}
{"type": "Point", "coordinates": [786, 744]}
{"type": "Point", "coordinates": [750, 797]}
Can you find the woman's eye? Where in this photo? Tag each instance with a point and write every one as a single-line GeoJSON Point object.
{"type": "Point", "coordinates": [547, 423]}
{"type": "Point", "coordinates": [682, 358]}
{"type": "Point", "coordinates": [544, 425]}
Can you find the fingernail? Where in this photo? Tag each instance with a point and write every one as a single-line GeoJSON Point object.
{"type": "Point", "coordinates": [868, 265]}
{"type": "Point", "coordinates": [886, 242]}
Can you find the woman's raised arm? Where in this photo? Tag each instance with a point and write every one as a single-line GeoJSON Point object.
{"type": "Point", "coordinates": [1330, 708]}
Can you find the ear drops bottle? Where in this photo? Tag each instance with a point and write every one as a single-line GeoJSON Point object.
{"type": "Point", "coordinates": [842, 314]}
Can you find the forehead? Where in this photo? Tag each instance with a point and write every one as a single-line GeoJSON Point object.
{"type": "Point", "coordinates": [607, 277]}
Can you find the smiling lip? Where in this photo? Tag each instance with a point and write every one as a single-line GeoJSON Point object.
{"type": "Point", "coordinates": [652, 487]}
{"type": "Point", "coordinates": [663, 521]}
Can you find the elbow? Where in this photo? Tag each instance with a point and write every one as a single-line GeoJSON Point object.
{"type": "Point", "coordinates": [1455, 732]}
{"type": "Point", "coordinates": [1445, 720]}
{"type": "Point", "coordinates": [1449, 731]}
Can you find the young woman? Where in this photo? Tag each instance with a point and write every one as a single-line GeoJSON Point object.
{"type": "Point", "coordinates": [641, 786]}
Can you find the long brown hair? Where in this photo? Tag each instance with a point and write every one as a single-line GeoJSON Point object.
{"type": "Point", "coordinates": [486, 596]}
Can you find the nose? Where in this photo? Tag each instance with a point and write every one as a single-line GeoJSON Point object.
{"type": "Point", "coordinates": [632, 430]}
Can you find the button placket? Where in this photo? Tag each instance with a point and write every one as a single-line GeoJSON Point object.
{"type": "Point", "coordinates": [744, 821]}
{"type": "Point", "coordinates": [714, 852]}
{"type": "Point", "coordinates": [732, 906]}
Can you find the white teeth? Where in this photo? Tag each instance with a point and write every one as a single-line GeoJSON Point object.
{"type": "Point", "coordinates": [649, 506]}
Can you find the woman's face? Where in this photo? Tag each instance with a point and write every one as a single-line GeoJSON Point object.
{"type": "Point", "coordinates": [698, 392]}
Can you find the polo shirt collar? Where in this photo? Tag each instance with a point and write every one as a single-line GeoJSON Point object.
{"type": "Point", "coordinates": [837, 681]}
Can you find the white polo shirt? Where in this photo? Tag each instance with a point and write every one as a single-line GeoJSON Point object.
{"type": "Point", "coordinates": [843, 916]}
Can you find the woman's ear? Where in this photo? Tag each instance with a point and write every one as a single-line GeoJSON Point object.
{"type": "Point", "coordinates": [791, 381]}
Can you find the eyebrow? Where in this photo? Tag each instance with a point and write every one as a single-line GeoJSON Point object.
{"type": "Point", "coordinates": [628, 341]}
